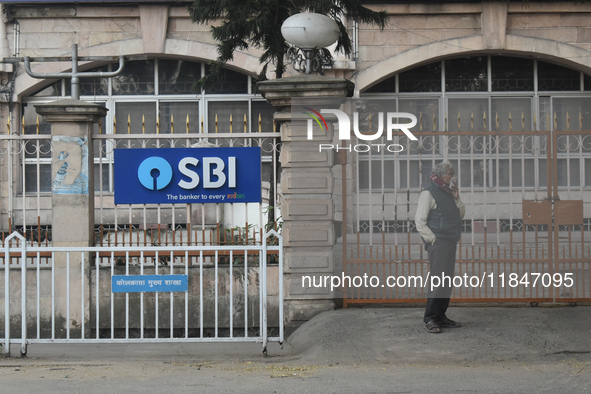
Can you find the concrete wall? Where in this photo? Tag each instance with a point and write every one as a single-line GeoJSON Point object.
{"type": "Point", "coordinates": [111, 31]}
{"type": "Point", "coordinates": [416, 33]}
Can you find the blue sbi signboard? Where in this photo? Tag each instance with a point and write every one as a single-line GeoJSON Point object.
{"type": "Point", "coordinates": [187, 175]}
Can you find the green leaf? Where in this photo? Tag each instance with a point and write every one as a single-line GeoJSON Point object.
{"type": "Point", "coordinates": [244, 24]}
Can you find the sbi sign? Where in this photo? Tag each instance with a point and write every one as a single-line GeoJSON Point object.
{"type": "Point", "coordinates": [187, 175]}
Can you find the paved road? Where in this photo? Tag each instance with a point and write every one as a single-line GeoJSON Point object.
{"type": "Point", "coordinates": [499, 349]}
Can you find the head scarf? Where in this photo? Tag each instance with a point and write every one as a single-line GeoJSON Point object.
{"type": "Point", "coordinates": [439, 182]}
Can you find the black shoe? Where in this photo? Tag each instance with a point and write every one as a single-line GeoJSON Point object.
{"type": "Point", "coordinates": [449, 323]}
{"type": "Point", "coordinates": [432, 327]}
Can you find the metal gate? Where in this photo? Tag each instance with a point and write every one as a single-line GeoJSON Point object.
{"type": "Point", "coordinates": [230, 258]}
{"type": "Point", "coordinates": [523, 234]}
{"type": "Point", "coordinates": [66, 295]}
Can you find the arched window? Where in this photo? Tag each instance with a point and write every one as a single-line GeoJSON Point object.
{"type": "Point", "coordinates": [155, 95]}
{"type": "Point", "coordinates": [483, 93]}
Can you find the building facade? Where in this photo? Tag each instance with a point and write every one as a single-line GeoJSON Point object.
{"type": "Point", "coordinates": [519, 69]}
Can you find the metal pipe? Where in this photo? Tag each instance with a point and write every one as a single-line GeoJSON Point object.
{"type": "Point", "coordinates": [74, 74]}
{"type": "Point", "coordinates": [94, 74]}
{"type": "Point", "coordinates": [17, 34]}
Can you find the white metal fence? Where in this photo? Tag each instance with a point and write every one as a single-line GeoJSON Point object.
{"type": "Point", "coordinates": [65, 294]}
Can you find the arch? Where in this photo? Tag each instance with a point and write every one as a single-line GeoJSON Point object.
{"type": "Point", "coordinates": [554, 51]}
{"type": "Point", "coordinates": [242, 62]}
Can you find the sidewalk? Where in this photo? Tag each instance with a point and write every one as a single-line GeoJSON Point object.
{"type": "Point", "coordinates": [499, 349]}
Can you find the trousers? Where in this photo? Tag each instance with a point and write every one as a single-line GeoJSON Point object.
{"type": "Point", "coordinates": [442, 260]}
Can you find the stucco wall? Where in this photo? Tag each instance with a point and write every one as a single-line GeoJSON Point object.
{"type": "Point", "coordinates": [416, 33]}
{"type": "Point", "coordinates": [421, 33]}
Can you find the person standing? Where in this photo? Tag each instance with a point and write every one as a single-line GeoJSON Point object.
{"type": "Point", "coordinates": [439, 222]}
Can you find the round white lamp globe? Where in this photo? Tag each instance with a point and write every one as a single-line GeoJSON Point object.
{"type": "Point", "coordinates": [310, 30]}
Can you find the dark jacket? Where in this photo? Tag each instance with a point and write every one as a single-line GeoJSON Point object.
{"type": "Point", "coordinates": [445, 221]}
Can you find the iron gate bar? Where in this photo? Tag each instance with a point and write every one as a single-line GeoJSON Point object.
{"type": "Point", "coordinates": [508, 251]}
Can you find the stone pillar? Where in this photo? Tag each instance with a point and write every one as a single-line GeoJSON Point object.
{"type": "Point", "coordinates": [72, 171]}
{"type": "Point", "coordinates": [307, 192]}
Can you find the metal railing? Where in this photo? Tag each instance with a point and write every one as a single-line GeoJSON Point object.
{"type": "Point", "coordinates": [502, 175]}
{"type": "Point", "coordinates": [236, 296]}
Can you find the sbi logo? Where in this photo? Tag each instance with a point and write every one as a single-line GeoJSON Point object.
{"type": "Point", "coordinates": [155, 173]}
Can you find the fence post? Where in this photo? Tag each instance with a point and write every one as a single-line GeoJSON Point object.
{"type": "Point", "coordinates": [6, 297]}
{"type": "Point", "coordinates": [22, 242]}
{"type": "Point", "coordinates": [72, 170]}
